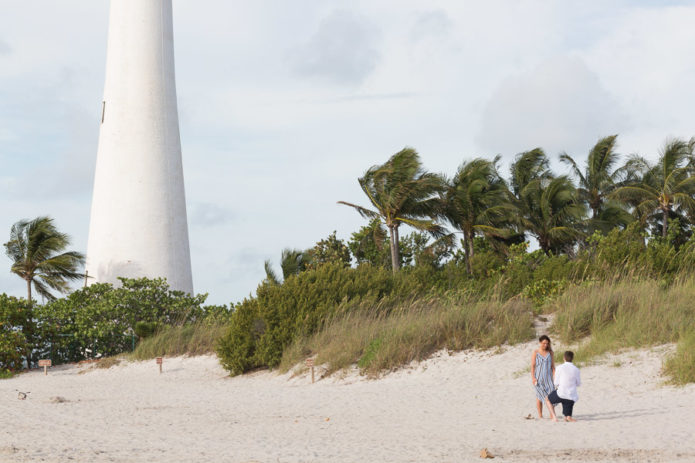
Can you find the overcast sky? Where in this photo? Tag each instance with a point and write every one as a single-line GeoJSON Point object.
{"type": "Point", "coordinates": [283, 105]}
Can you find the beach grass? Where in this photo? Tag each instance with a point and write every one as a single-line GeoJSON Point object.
{"type": "Point", "coordinates": [640, 313]}
{"type": "Point", "coordinates": [680, 366]}
{"type": "Point", "coordinates": [381, 339]}
{"type": "Point", "coordinates": [108, 362]}
{"type": "Point", "coordinates": [188, 339]}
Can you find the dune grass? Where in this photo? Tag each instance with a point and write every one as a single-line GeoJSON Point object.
{"type": "Point", "coordinates": [189, 339]}
{"type": "Point", "coordinates": [382, 338]}
{"type": "Point", "coordinates": [680, 367]}
{"type": "Point", "coordinates": [611, 316]}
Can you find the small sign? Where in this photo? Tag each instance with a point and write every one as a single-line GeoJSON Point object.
{"type": "Point", "coordinates": [159, 360]}
{"type": "Point", "coordinates": [310, 364]}
{"type": "Point", "coordinates": [45, 363]}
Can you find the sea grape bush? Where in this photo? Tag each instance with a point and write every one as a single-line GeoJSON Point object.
{"type": "Point", "coordinates": [98, 320]}
{"type": "Point", "coordinates": [13, 343]}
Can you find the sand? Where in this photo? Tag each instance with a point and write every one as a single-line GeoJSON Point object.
{"type": "Point", "coordinates": [443, 410]}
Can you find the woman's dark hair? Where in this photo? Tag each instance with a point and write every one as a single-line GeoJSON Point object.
{"type": "Point", "coordinates": [546, 338]}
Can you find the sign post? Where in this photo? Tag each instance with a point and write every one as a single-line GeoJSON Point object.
{"type": "Point", "coordinates": [45, 363]}
{"type": "Point", "coordinates": [159, 362]}
{"type": "Point", "coordinates": [310, 364]}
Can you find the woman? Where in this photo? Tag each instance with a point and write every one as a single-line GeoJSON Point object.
{"type": "Point", "coordinates": [542, 373]}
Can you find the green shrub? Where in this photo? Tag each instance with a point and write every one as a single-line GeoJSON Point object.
{"type": "Point", "coordinates": [15, 319]}
{"type": "Point", "coordinates": [102, 319]}
{"type": "Point", "coordinates": [542, 291]}
{"type": "Point", "coordinates": [261, 328]}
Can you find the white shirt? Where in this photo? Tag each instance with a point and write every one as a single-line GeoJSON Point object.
{"type": "Point", "coordinates": [566, 380]}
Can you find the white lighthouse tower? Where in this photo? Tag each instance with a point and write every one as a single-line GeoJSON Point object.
{"type": "Point", "coordinates": [138, 225]}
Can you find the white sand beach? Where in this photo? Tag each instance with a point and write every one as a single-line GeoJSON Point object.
{"type": "Point", "coordinates": [443, 410]}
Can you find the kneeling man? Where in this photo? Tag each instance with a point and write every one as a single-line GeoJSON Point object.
{"type": "Point", "coordinates": [566, 381]}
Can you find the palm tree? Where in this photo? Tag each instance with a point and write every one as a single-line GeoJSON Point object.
{"type": "Point", "coordinates": [401, 192]}
{"type": "Point", "coordinates": [596, 183]}
{"type": "Point", "coordinates": [548, 206]}
{"type": "Point", "coordinates": [36, 250]}
{"type": "Point", "coordinates": [664, 187]}
{"type": "Point", "coordinates": [292, 262]}
{"type": "Point", "coordinates": [476, 201]}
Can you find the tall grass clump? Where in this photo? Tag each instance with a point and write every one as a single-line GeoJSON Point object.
{"type": "Point", "coordinates": [189, 339]}
{"type": "Point", "coordinates": [383, 337]}
{"type": "Point", "coordinates": [624, 314]}
{"type": "Point", "coordinates": [681, 365]}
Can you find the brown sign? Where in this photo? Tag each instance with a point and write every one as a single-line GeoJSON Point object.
{"type": "Point", "coordinates": [310, 362]}
{"type": "Point", "coordinates": [159, 360]}
{"type": "Point", "coordinates": [45, 363]}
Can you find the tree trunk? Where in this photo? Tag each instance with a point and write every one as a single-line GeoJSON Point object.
{"type": "Point", "coordinates": [665, 219]}
{"type": "Point", "coordinates": [28, 320]}
{"type": "Point", "coordinates": [395, 257]}
{"type": "Point", "coordinates": [469, 252]}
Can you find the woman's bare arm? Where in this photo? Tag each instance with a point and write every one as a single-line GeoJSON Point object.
{"type": "Point", "coordinates": [533, 368]}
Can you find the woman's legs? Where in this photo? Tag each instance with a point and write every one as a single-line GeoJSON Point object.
{"type": "Point", "coordinates": [539, 406]}
{"type": "Point", "coordinates": [550, 409]}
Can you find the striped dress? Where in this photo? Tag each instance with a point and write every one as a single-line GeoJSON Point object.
{"type": "Point", "coordinates": [544, 376]}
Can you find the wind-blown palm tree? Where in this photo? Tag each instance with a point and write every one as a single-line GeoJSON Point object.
{"type": "Point", "coordinates": [36, 248]}
{"type": "Point", "coordinates": [597, 181]}
{"type": "Point", "coordinates": [292, 262]}
{"type": "Point", "coordinates": [664, 187]}
{"type": "Point", "coordinates": [401, 192]}
{"type": "Point", "coordinates": [476, 201]}
{"type": "Point", "coordinates": [548, 207]}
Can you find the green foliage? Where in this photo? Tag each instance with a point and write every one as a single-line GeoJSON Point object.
{"type": "Point", "coordinates": [17, 332]}
{"type": "Point", "coordinates": [237, 348]}
{"type": "Point", "coordinates": [14, 316]}
{"type": "Point", "coordinates": [369, 353]}
{"type": "Point", "coordinates": [262, 327]}
{"type": "Point", "coordinates": [145, 329]}
{"type": "Point", "coordinates": [400, 192]}
{"type": "Point", "coordinates": [36, 249]}
{"type": "Point", "coordinates": [541, 291]}
{"type": "Point", "coordinates": [370, 245]}
{"type": "Point", "coordinates": [329, 250]}
{"type": "Point", "coordinates": [102, 319]}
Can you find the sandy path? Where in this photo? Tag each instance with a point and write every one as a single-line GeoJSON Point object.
{"type": "Point", "coordinates": [443, 410]}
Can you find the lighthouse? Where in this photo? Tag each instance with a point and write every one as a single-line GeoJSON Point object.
{"type": "Point", "coordinates": [138, 225]}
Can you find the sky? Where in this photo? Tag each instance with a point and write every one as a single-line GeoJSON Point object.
{"type": "Point", "coordinates": [283, 105]}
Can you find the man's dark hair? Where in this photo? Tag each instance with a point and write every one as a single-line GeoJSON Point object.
{"type": "Point", "coordinates": [569, 356]}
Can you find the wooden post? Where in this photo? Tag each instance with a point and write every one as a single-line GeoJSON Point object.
{"type": "Point", "coordinates": [159, 362]}
{"type": "Point", "coordinates": [310, 364]}
{"type": "Point", "coordinates": [45, 363]}
{"type": "Point", "coordinates": [86, 275]}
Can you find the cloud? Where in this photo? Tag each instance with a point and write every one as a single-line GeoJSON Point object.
{"type": "Point", "coordinates": [343, 50]}
{"type": "Point", "coordinates": [210, 214]}
{"type": "Point", "coordinates": [5, 48]}
{"type": "Point", "coordinates": [558, 106]}
{"type": "Point", "coordinates": [434, 23]}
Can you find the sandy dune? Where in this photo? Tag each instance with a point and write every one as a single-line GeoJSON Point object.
{"type": "Point", "coordinates": [443, 410]}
